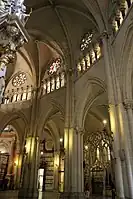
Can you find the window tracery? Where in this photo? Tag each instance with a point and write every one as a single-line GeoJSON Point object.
{"type": "Point", "coordinates": [54, 77]}
{"type": "Point", "coordinates": [87, 39]}
{"type": "Point", "coordinates": [98, 148]}
{"type": "Point", "coordinates": [91, 48]}
{"type": "Point", "coordinates": [56, 64]}
{"type": "Point", "coordinates": [19, 79]}
{"type": "Point", "coordinates": [90, 56]}
{"type": "Point", "coordinates": [119, 14]}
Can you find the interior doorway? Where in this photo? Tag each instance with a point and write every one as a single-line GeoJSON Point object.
{"type": "Point", "coordinates": [40, 179]}
{"type": "Point", "coordinates": [4, 159]}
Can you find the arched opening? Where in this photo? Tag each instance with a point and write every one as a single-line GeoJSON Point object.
{"type": "Point", "coordinates": [51, 163]}
{"type": "Point", "coordinates": [98, 152]}
{"type": "Point", "coordinates": [10, 163]}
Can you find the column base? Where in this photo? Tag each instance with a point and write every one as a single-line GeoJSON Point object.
{"type": "Point", "coordinates": [27, 194]}
{"type": "Point", "coordinates": [73, 195]}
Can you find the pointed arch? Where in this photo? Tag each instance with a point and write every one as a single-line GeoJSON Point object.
{"type": "Point", "coordinates": [86, 101]}
{"type": "Point", "coordinates": [126, 63]}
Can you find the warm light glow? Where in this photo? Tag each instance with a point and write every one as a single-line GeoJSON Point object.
{"type": "Point", "coordinates": [98, 153]}
{"type": "Point", "coordinates": [2, 151]}
{"type": "Point", "coordinates": [16, 162]}
{"type": "Point", "coordinates": [109, 154]}
{"type": "Point", "coordinates": [66, 138]}
{"type": "Point", "coordinates": [56, 160]}
{"type": "Point", "coordinates": [71, 132]}
{"type": "Point", "coordinates": [86, 147]}
{"type": "Point", "coordinates": [112, 119]}
{"type": "Point", "coordinates": [30, 141]}
{"type": "Point", "coordinates": [41, 152]}
{"type": "Point", "coordinates": [104, 122]}
{"type": "Point", "coordinates": [61, 139]}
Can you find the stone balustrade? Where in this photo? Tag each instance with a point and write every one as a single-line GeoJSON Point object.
{"type": "Point", "coordinates": [120, 13]}
{"type": "Point", "coordinates": [53, 82]}
{"type": "Point", "coordinates": [18, 94]}
{"type": "Point", "coordinates": [89, 56]}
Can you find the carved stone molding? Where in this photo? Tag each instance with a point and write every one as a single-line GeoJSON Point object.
{"type": "Point", "coordinates": [79, 130]}
{"type": "Point", "coordinates": [128, 104]}
{"type": "Point", "coordinates": [69, 71]}
{"type": "Point", "coordinates": [105, 34]}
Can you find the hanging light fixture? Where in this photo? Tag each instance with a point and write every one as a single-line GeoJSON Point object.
{"type": "Point", "coordinates": [13, 17]}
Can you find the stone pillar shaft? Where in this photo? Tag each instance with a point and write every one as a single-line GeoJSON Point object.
{"type": "Point", "coordinates": [29, 185]}
{"type": "Point", "coordinates": [113, 96]}
{"type": "Point", "coordinates": [121, 126]}
{"type": "Point", "coordinates": [116, 149]}
{"type": "Point", "coordinates": [127, 145]}
{"type": "Point", "coordinates": [73, 182]}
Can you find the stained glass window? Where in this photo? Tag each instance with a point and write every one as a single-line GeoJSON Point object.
{"type": "Point", "coordinates": [56, 64]}
{"type": "Point", "coordinates": [19, 79]}
{"type": "Point", "coordinates": [86, 40]}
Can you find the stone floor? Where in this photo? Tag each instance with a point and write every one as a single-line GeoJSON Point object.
{"type": "Point", "coordinates": [14, 195]}
{"type": "Point", "coordinates": [45, 195]}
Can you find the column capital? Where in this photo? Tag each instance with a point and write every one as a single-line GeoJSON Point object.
{"type": "Point", "coordinates": [105, 34]}
{"type": "Point", "coordinates": [79, 130]}
{"type": "Point", "coordinates": [69, 71]}
{"type": "Point", "coordinates": [128, 104]}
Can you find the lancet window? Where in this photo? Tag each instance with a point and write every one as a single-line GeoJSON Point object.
{"type": "Point", "coordinates": [91, 48]}
{"type": "Point", "coordinates": [86, 40]}
{"type": "Point", "coordinates": [54, 77]}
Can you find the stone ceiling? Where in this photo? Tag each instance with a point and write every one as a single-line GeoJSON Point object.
{"type": "Point", "coordinates": [56, 28]}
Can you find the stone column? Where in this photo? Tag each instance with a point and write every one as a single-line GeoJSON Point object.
{"type": "Point", "coordinates": [126, 110]}
{"type": "Point", "coordinates": [19, 171]}
{"type": "Point", "coordinates": [116, 150]}
{"type": "Point", "coordinates": [129, 109]}
{"type": "Point", "coordinates": [29, 185]}
{"type": "Point", "coordinates": [29, 182]}
{"type": "Point", "coordinates": [113, 97]}
{"type": "Point", "coordinates": [73, 182]}
{"type": "Point", "coordinates": [56, 170]}
{"type": "Point", "coordinates": [10, 162]}
{"type": "Point", "coordinates": [80, 176]}
{"type": "Point", "coordinates": [119, 126]}
{"type": "Point", "coordinates": [16, 172]}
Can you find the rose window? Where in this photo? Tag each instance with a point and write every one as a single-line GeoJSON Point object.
{"type": "Point", "coordinates": [19, 79]}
